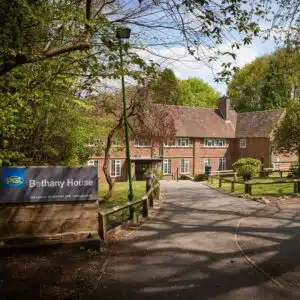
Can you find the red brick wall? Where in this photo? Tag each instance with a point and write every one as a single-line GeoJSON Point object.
{"type": "Point", "coordinates": [214, 154]}
{"type": "Point", "coordinates": [196, 153]}
{"type": "Point", "coordinates": [258, 148]}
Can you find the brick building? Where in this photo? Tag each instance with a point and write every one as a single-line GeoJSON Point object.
{"type": "Point", "coordinates": [204, 137]}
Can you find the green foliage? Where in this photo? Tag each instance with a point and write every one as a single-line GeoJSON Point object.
{"type": "Point", "coordinates": [248, 167]}
{"type": "Point", "coordinates": [201, 177]}
{"type": "Point", "coordinates": [195, 92]}
{"type": "Point", "coordinates": [164, 88]}
{"type": "Point", "coordinates": [268, 82]}
{"type": "Point", "coordinates": [286, 137]}
{"type": "Point", "coordinates": [157, 173]}
{"type": "Point", "coordinates": [42, 120]}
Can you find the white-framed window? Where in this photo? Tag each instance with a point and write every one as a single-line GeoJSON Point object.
{"type": "Point", "coordinates": [207, 163]}
{"type": "Point", "coordinates": [167, 166]}
{"type": "Point", "coordinates": [92, 163]}
{"type": "Point", "coordinates": [184, 166]}
{"type": "Point", "coordinates": [182, 142]}
{"type": "Point", "coordinates": [243, 143]}
{"type": "Point", "coordinates": [222, 164]}
{"type": "Point", "coordinates": [142, 142]}
{"type": "Point", "coordinates": [115, 168]}
{"type": "Point", "coordinates": [178, 142]}
{"type": "Point", "coordinates": [214, 143]}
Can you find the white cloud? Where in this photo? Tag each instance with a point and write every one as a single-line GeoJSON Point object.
{"type": "Point", "coordinates": [185, 65]}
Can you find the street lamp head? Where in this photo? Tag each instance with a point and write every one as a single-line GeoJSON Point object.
{"type": "Point", "coordinates": [123, 33]}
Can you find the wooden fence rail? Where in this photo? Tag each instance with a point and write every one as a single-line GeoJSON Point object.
{"type": "Point", "coordinates": [248, 184]}
{"type": "Point", "coordinates": [152, 193]}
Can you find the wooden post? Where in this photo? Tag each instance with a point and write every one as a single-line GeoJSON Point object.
{"type": "Point", "coordinates": [148, 187]}
{"type": "Point", "coordinates": [157, 192]}
{"type": "Point", "coordinates": [232, 186]}
{"type": "Point", "coordinates": [102, 226]}
{"type": "Point", "coordinates": [220, 182]}
{"type": "Point", "coordinates": [145, 208]}
{"type": "Point", "coordinates": [235, 176]}
{"type": "Point", "coordinates": [248, 188]}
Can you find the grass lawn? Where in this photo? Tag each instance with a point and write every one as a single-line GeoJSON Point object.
{"type": "Point", "coordinates": [119, 197]}
{"type": "Point", "coordinates": [120, 192]}
{"type": "Point", "coordinates": [262, 189]}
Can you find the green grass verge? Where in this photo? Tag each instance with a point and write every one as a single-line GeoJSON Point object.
{"type": "Point", "coordinates": [119, 197]}
{"type": "Point", "coordinates": [120, 192]}
{"type": "Point", "coordinates": [262, 189]}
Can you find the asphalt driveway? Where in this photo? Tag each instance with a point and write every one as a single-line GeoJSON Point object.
{"type": "Point", "coordinates": [206, 245]}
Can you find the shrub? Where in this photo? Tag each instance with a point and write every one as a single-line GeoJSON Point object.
{"type": "Point", "coordinates": [295, 171]}
{"type": "Point", "coordinates": [184, 177]}
{"type": "Point", "coordinates": [157, 173]}
{"type": "Point", "coordinates": [248, 167]}
{"type": "Point", "coordinates": [201, 177]}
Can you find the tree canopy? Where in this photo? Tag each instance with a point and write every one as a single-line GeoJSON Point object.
{"type": "Point", "coordinates": [164, 87]}
{"type": "Point", "coordinates": [268, 82]}
{"type": "Point", "coordinates": [286, 138]}
{"type": "Point", "coordinates": [196, 92]}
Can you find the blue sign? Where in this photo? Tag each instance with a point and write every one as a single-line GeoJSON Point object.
{"type": "Point", "coordinates": [46, 184]}
{"type": "Point", "coordinates": [13, 178]}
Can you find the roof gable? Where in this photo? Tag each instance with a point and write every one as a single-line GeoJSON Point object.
{"type": "Point", "coordinates": [257, 123]}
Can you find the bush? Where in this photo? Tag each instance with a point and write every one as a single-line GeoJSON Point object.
{"type": "Point", "coordinates": [157, 173]}
{"type": "Point", "coordinates": [295, 171]}
{"type": "Point", "coordinates": [201, 177]}
{"type": "Point", "coordinates": [248, 167]}
{"type": "Point", "coordinates": [184, 177]}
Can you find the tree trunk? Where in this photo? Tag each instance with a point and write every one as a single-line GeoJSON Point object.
{"type": "Point", "coordinates": [106, 168]}
{"type": "Point", "coordinates": [107, 157]}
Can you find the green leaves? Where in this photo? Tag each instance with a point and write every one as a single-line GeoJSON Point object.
{"type": "Point", "coordinates": [266, 83]}
{"type": "Point", "coordinates": [195, 92]}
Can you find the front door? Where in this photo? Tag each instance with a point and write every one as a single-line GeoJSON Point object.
{"type": "Point", "coordinates": [140, 169]}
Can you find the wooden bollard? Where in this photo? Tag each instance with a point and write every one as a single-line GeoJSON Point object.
{"type": "Point", "coordinates": [102, 227]}
{"type": "Point", "coordinates": [145, 208]}
{"type": "Point", "coordinates": [232, 187]}
{"type": "Point", "coordinates": [248, 188]}
{"type": "Point", "coordinates": [220, 182]}
{"type": "Point", "coordinates": [148, 187]}
{"type": "Point", "coordinates": [295, 187]}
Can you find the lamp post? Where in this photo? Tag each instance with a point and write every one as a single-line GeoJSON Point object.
{"type": "Point", "coordinates": [124, 33]}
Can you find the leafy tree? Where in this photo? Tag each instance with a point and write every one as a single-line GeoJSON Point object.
{"type": "Point", "coordinates": [286, 137]}
{"type": "Point", "coordinates": [164, 87]}
{"type": "Point", "coordinates": [32, 31]}
{"type": "Point", "coordinates": [268, 82]}
{"type": "Point", "coordinates": [145, 120]}
{"type": "Point", "coordinates": [42, 119]}
{"type": "Point", "coordinates": [196, 92]}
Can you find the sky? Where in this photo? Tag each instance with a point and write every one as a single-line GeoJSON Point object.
{"type": "Point", "coordinates": [185, 66]}
{"type": "Point", "coordinates": [174, 54]}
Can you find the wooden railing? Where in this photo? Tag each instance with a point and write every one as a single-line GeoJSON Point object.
{"type": "Point", "coordinates": [249, 183]}
{"type": "Point", "coordinates": [152, 193]}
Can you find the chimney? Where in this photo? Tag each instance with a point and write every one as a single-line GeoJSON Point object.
{"type": "Point", "coordinates": [224, 106]}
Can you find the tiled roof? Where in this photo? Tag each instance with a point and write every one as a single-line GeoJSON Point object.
{"type": "Point", "coordinates": [207, 122]}
{"type": "Point", "coordinates": [257, 123]}
{"type": "Point", "coordinates": [202, 122]}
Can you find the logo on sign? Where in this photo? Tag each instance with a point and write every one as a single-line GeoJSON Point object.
{"type": "Point", "coordinates": [14, 177]}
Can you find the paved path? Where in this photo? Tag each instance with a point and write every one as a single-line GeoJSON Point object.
{"type": "Point", "coordinates": [189, 251]}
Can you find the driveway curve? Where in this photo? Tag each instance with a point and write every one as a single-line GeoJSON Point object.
{"type": "Point", "coordinates": [201, 246]}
